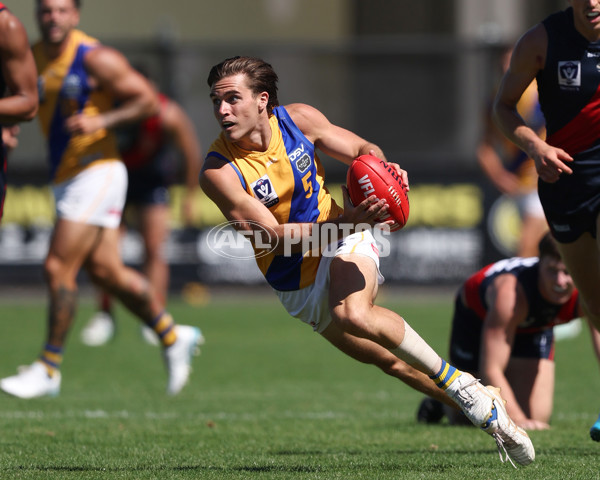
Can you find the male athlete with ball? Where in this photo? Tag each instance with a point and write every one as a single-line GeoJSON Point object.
{"type": "Point", "coordinates": [263, 173]}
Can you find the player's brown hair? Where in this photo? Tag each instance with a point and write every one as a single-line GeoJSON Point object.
{"type": "Point", "coordinates": [77, 4]}
{"type": "Point", "coordinates": [260, 74]}
{"type": "Point", "coordinates": [547, 247]}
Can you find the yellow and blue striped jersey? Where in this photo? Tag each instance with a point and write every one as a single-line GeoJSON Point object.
{"type": "Point", "coordinates": [65, 90]}
{"type": "Point", "coordinates": [288, 179]}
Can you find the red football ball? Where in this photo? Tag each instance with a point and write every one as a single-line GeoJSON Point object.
{"type": "Point", "coordinates": [369, 175]}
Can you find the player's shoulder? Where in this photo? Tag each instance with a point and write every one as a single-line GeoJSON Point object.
{"type": "Point", "coordinates": [306, 117]}
{"type": "Point", "coordinates": [10, 27]}
{"type": "Point", "coordinates": [219, 152]}
{"type": "Point", "coordinates": [533, 40]}
{"type": "Point", "coordinates": [295, 110]}
{"type": "Point", "coordinates": [105, 62]}
{"type": "Point", "coordinates": [78, 37]}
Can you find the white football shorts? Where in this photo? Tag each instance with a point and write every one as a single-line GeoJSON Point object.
{"type": "Point", "coordinates": [529, 205]}
{"type": "Point", "coordinates": [94, 196]}
{"type": "Point", "coordinates": [311, 304]}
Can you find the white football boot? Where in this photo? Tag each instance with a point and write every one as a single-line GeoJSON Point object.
{"type": "Point", "coordinates": [178, 357]}
{"type": "Point", "coordinates": [32, 381]}
{"type": "Point", "coordinates": [484, 407]}
{"type": "Point", "coordinates": [473, 398]}
{"type": "Point", "coordinates": [99, 330]}
{"type": "Point", "coordinates": [510, 438]}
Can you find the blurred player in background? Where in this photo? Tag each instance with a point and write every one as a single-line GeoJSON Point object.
{"type": "Point", "coordinates": [80, 83]}
{"type": "Point", "coordinates": [18, 86]}
{"type": "Point", "coordinates": [265, 176]}
{"type": "Point", "coordinates": [562, 54]}
{"type": "Point", "coordinates": [512, 172]}
{"type": "Point", "coordinates": [145, 149]}
{"type": "Point", "coordinates": [502, 332]}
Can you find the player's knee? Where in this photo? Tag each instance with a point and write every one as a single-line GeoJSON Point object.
{"type": "Point", "coordinates": [351, 317]}
{"type": "Point", "coordinates": [53, 267]}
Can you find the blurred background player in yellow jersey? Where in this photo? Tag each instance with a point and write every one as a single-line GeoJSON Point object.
{"type": "Point", "coordinates": [512, 172]}
{"type": "Point", "coordinates": [151, 167]}
{"type": "Point", "coordinates": [18, 86]}
{"type": "Point", "coordinates": [80, 83]}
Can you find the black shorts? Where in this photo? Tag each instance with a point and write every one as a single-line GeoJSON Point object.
{"type": "Point", "coordinates": [147, 189]}
{"type": "Point", "coordinates": [572, 204]}
{"type": "Point", "coordinates": [465, 340]}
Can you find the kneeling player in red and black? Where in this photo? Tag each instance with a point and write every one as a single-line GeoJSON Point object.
{"type": "Point", "coordinates": [502, 332]}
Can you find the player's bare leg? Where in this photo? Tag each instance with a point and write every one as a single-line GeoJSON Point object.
{"type": "Point", "coordinates": [533, 229]}
{"type": "Point", "coordinates": [353, 288]}
{"type": "Point", "coordinates": [70, 244]}
{"type": "Point", "coordinates": [107, 270]}
{"type": "Point", "coordinates": [180, 342]}
{"type": "Point", "coordinates": [582, 259]}
{"type": "Point", "coordinates": [154, 228]}
{"type": "Point", "coordinates": [366, 351]}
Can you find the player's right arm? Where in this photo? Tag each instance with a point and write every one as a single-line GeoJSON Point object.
{"type": "Point", "coordinates": [221, 184]}
{"type": "Point", "coordinates": [18, 70]}
{"type": "Point", "coordinates": [528, 58]}
{"type": "Point", "coordinates": [135, 97]}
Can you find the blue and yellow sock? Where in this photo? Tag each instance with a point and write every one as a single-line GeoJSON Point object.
{"type": "Point", "coordinates": [51, 357]}
{"type": "Point", "coordinates": [164, 327]}
{"type": "Point", "coordinates": [446, 375]}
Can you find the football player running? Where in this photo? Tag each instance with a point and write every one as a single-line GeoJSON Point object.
{"type": "Point", "coordinates": [249, 173]}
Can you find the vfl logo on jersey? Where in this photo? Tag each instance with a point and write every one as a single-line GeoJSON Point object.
{"type": "Point", "coordinates": [72, 87]}
{"type": "Point", "coordinates": [264, 191]}
{"type": "Point", "coordinates": [569, 73]}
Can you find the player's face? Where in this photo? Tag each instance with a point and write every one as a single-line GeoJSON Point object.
{"type": "Point", "coordinates": [56, 18]}
{"type": "Point", "coordinates": [238, 110]}
{"type": "Point", "coordinates": [586, 15]}
{"type": "Point", "coordinates": [555, 282]}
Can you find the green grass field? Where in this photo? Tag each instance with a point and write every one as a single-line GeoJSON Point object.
{"type": "Point", "coordinates": [268, 399]}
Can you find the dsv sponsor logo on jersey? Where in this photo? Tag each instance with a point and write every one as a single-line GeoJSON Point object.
{"type": "Point", "coordinates": [301, 158]}
{"type": "Point", "coordinates": [296, 153]}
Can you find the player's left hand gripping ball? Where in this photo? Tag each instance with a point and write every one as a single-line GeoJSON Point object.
{"type": "Point", "coordinates": [369, 175]}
